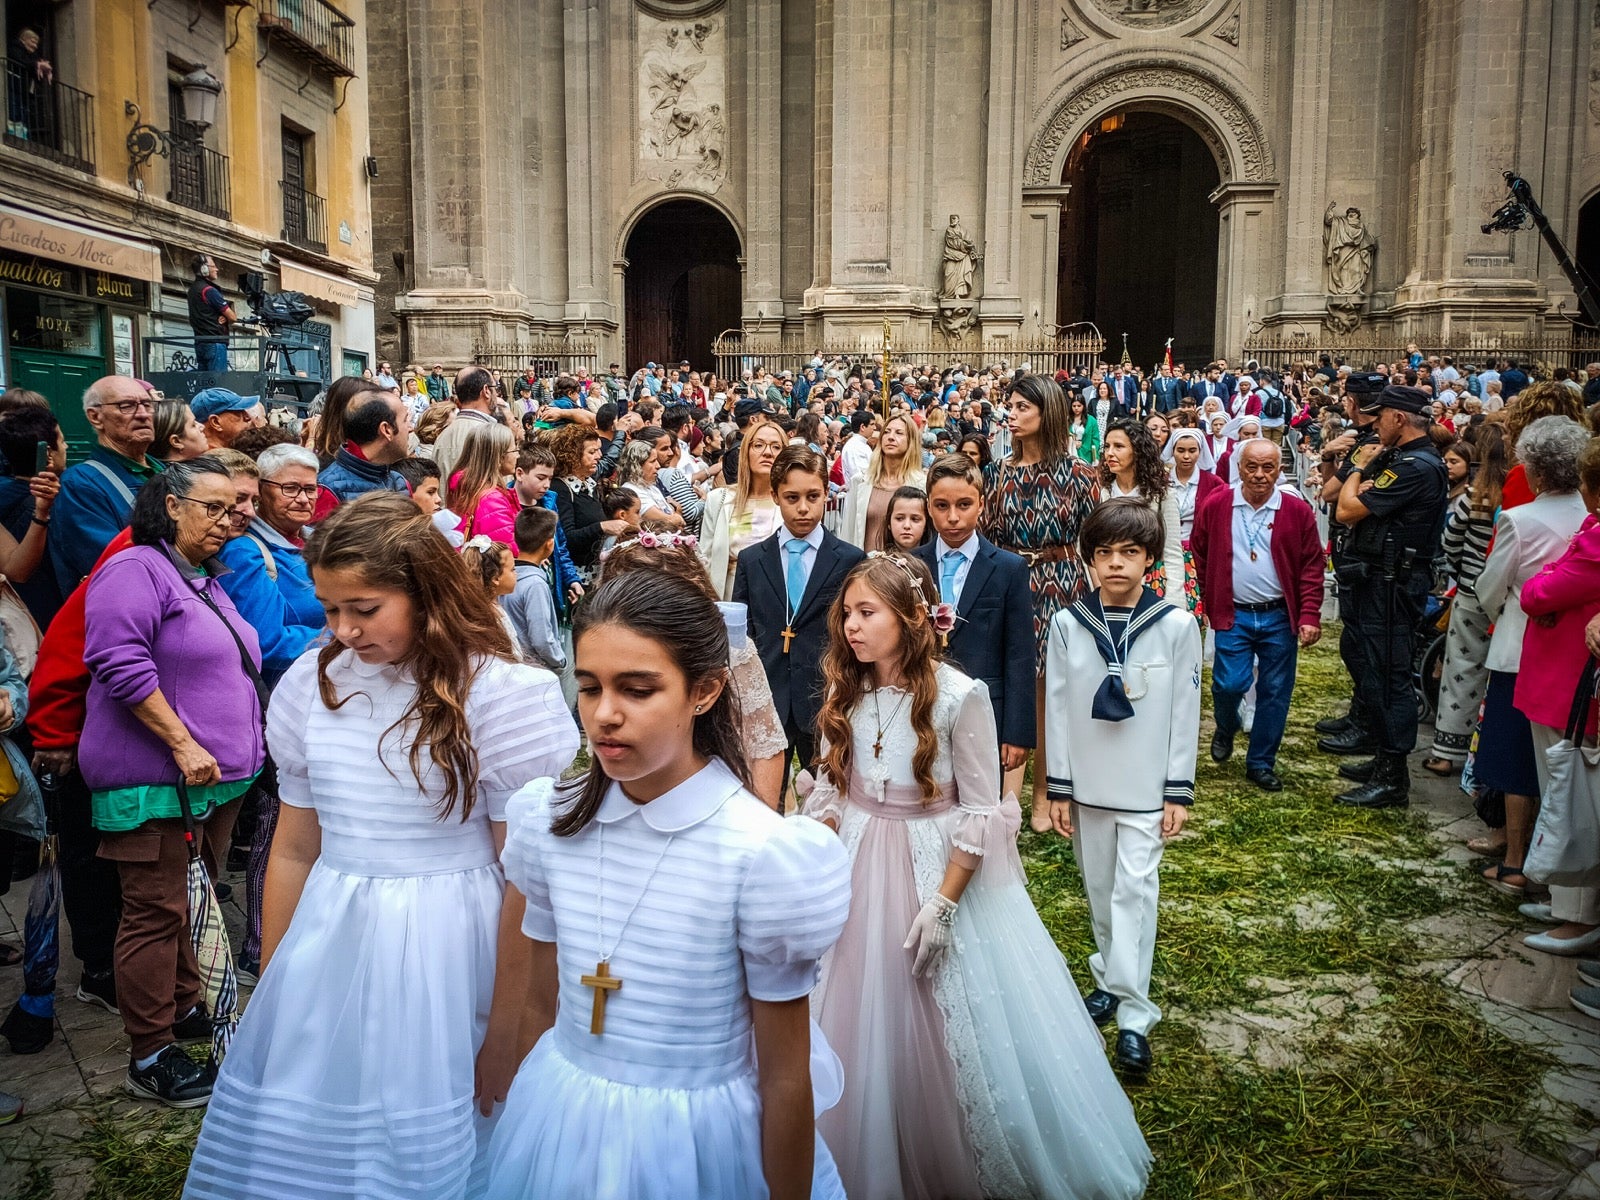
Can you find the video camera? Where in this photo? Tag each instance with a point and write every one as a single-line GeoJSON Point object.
{"type": "Point", "coordinates": [277, 310]}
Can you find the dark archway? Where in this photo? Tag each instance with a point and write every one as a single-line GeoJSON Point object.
{"type": "Point", "coordinates": [1139, 237]}
{"type": "Point", "coordinates": [682, 283]}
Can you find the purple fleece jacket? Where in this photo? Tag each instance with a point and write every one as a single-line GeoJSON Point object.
{"type": "Point", "coordinates": [146, 628]}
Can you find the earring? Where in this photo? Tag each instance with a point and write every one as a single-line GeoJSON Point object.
{"type": "Point", "coordinates": [697, 709]}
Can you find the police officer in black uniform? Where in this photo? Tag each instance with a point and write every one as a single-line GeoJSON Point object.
{"type": "Point", "coordinates": [1353, 732]}
{"type": "Point", "coordinates": [1393, 502]}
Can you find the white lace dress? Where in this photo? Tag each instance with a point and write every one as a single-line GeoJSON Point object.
{"type": "Point", "coordinates": [760, 726]}
{"type": "Point", "coordinates": [951, 1091]}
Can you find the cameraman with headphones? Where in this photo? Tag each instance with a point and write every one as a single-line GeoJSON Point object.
{"type": "Point", "coordinates": [210, 314]}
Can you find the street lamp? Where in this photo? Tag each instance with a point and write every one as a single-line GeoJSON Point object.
{"type": "Point", "coordinates": [198, 90]}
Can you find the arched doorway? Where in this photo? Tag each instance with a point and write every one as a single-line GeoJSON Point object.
{"type": "Point", "coordinates": [1139, 237]}
{"type": "Point", "coordinates": [682, 283]}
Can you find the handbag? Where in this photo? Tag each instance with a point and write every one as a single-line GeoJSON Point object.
{"type": "Point", "coordinates": [1565, 849]}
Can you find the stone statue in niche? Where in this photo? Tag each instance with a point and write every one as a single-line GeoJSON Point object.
{"type": "Point", "coordinates": [961, 259]}
{"type": "Point", "coordinates": [1348, 248]}
{"type": "Point", "coordinates": [683, 128]}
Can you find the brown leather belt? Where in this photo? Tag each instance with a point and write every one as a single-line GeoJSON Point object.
{"type": "Point", "coordinates": [1042, 554]}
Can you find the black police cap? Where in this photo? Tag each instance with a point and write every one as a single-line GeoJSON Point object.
{"type": "Point", "coordinates": [1367, 383]}
{"type": "Point", "coordinates": [1406, 399]}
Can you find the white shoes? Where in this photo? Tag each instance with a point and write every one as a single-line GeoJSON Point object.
{"type": "Point", "coordinates": [1538, 912]}
{"type": "Point", "coordinates": [1566, 947]}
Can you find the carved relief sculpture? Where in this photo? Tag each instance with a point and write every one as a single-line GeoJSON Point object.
{"type": "Point", "coordinates": [682, 128]}
{"type": "Point", "coordinates": [955, 318]}
{"type": "Point", "coordinates": [1071, 35]}
{"type": "Point", "coordinates": [1348, 248]}
{"type": "Point", "coordinates": [960, 261]}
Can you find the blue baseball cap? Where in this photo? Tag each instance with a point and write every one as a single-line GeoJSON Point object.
{"type": "Point", "coordinates": [209, 402]}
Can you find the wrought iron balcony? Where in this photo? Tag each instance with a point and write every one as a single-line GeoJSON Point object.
{"type": "Point", "coordinates": [48, 118]}
{"type": "Point", "coordinates": [305, 218]}
{"type": "Point", "coordinates": [312, 28]}
{"type": "Point", "coordinates": [199, 178]}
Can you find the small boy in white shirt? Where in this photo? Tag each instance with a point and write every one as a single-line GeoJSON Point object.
{"type": "Point", "coordinates": [1122, 690]}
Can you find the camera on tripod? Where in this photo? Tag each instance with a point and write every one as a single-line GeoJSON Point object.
{"type": "Point", "coordinates": [276, 310]}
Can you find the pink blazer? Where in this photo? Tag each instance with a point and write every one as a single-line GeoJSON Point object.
{"type": "Point", "coordinates": [1553, 655]}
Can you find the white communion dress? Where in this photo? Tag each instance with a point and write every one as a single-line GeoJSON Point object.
{"type": "Point", "coordinates": [729, 903]}
{"type": "Point", "coordinates": [351, 1074]}
{"type": "Point", "coordinates": [985, 1077]}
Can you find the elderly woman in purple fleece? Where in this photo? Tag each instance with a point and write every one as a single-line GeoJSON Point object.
{"type": "Point", "coordinates": [170, 699]}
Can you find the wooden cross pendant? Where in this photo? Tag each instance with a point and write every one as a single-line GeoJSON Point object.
{"type": "Point", "coordinates": [788, 636]}
{"type": "Point", "coordinates": [602, 982]}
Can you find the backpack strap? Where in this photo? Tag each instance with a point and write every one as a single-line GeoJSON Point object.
{"type": "Point", "coordinates": [267, 559]}
{"type": "Point", "coordinates": [112, 478]}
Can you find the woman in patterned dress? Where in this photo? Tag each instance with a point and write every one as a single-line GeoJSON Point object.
{"type": "Point", "coordinates": [1035, 499]}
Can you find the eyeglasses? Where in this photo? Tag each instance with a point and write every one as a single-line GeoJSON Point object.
{"type": "Point", "coordinates": [214, 511]}
{"type": "Point", "coordinates": [292, 491]}
{"type": "Point", "coordinates": [128, 407]}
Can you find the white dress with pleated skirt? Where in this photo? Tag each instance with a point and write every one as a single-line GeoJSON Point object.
{"type": "Point", "coordinates": [351, 1074]}
{"type": "Point", "coordinates": [985, 1078]}
{"type": "Point", "coordinates": [729, 903]}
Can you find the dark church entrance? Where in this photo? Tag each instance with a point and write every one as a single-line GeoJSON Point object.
{"type": "Point", "coordinates": [682, 284]}
{"type": "Point", "coordinates": [1139, 238]}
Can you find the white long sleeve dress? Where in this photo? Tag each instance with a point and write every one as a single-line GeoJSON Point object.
{"type": "Point", "coordinates": [950, 1093]}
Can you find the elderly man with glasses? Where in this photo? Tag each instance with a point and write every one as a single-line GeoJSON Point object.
{"type": "Point", "coordinates": [97, 495]}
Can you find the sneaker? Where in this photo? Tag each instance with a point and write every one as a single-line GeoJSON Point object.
{"type": "Point", "coordinates": [174, 1079]}
{"type": "Point", "coordinates": [196, 1027]}
{"type": "Point", "coordinates": [248, 971]}
{"type": "Point", "coordinates": [1589, 971]}
{"type": "Point", "coordinates": [1586, 1000]}
{"type": "Point", "coordinates": [223, 890]}
{"type": "Point", "coordinates": [100, 989]}
{"type": "Point", "coordinates": [10, 1108]}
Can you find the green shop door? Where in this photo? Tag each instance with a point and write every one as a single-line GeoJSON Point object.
{"type": "Point", "coordinates": [61, 379]}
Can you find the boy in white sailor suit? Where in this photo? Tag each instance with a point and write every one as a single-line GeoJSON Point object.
{"type": "Point", "coordinates": [1122, 687]}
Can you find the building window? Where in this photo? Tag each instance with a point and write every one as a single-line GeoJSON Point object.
{"type": "Point", "coordinates": [43, 115]}
{"type": "Point", "coordinates": [305, 214]}
{"type": "Point", "coordinates": [198, 176]}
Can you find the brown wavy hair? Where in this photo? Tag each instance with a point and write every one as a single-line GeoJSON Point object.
{"type": "Point", "coordinates": [386, 539]}
{"type": "Point", "coordinates": [567, 445]}
{"type": "Point", "coordinates": [905, 585]}
{"type": "Point", "coordinates": [1544, 399]}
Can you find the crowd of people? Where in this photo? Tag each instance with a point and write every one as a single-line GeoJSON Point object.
{"type": "Point", "coordinates": [809, 632]}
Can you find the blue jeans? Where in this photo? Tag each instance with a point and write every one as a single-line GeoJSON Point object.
{"type": "Point", "coordinates": [1264, 638]}
{"type": "Point", "coordinates": [211, 356]}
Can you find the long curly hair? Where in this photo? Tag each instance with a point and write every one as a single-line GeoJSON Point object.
{"type": "Point", "coordinates": [1544, 399]}
{"type": "Point", "coordinates": [1149, 472]}
{"type": "Point", "coordinates": [387, 540]}
{"type": "Point", "coordinates": [906, 586]}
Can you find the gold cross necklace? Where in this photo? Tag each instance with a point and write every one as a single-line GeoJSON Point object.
{"type": "Point", "coordinates": [877, 745]}
{"type": "Point", "coordinates": [603, 981]}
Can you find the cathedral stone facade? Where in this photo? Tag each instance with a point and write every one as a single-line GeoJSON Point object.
{"type": "Point", "coordinates": [652, 172]}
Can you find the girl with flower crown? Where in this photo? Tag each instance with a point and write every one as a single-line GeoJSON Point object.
{"type": "Point", "coordinates": [944, 970]}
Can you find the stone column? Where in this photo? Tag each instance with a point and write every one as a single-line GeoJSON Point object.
{"type": "Point", "coordinates": [588, 83]}
{"type": "Point", "coordinates": [1039, 242]}
{"type": "Point", "coordinates": [1246, 221]}
{"type": "Point", "coordinates": [1002, 311]}
{"type": "Point", "coordinates": [763, 173]}
{"type": "Point", "coordinates": [1305, 169]}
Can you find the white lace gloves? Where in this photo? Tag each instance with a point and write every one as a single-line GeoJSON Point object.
{"type": "Point", "coordinates": [931, 933]}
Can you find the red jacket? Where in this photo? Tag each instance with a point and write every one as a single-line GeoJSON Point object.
{"type": "Point", "coordinates": [59, 689]}
{"type": "Point", "coordinates": [1296, 552]}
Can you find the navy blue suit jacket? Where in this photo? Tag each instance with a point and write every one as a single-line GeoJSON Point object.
{"type": "Point", "coordinates": [1169, 392]}
{"type": "Point", "coordinates": [759, 582]}
{"type": "Point", "coordinates": [993, 640]}
{"type": "Point", "coordinates": [1125, 391]}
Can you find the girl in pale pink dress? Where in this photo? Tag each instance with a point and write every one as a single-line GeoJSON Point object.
{"type": "Point", "coordinates": [944, 971]}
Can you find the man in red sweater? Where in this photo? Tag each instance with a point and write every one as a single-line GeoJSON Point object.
{"type": "Point", "coordinates": [1259, 561]}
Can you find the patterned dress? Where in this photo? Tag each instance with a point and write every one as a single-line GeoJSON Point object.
{"type": "Point", "coordinates": [1034, 507]}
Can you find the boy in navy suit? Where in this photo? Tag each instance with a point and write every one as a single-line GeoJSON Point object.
{"type": "Point", "coordinates": [993, 638]}
{"type": "Point", "coordinates": [788, 581]}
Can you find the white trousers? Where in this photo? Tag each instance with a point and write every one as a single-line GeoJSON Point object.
{"type": "Point", "coordinates": [1580, 905]}
{"type": "Point", "coordinates": [1119, 854]}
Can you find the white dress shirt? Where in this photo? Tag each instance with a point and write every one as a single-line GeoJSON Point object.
{"type": "Point", "coordinates": [968, 552]}
{"type": "Point", "coordinates": [1255, 581]}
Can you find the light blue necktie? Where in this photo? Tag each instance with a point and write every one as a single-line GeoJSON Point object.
{"type": "Point", "coordinates": [950, 564]}
{"type": "Point", "coordinates": [797, 571]}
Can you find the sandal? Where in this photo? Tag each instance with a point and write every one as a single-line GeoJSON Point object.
{"type": "Point", "coordinates": [1487, 845]}
{"type": "Point", "coordinates": [10, 955]}
{"type": "Point", "coordinates": [1442, 767]}
{"type": "Point", "coordinates": [1495, 877]}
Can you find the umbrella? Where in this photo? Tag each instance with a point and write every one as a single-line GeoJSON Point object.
{"type": "Point", "coordinates": [209, 936]}
{"type": "Point", "coordinates": [30, 1025]}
